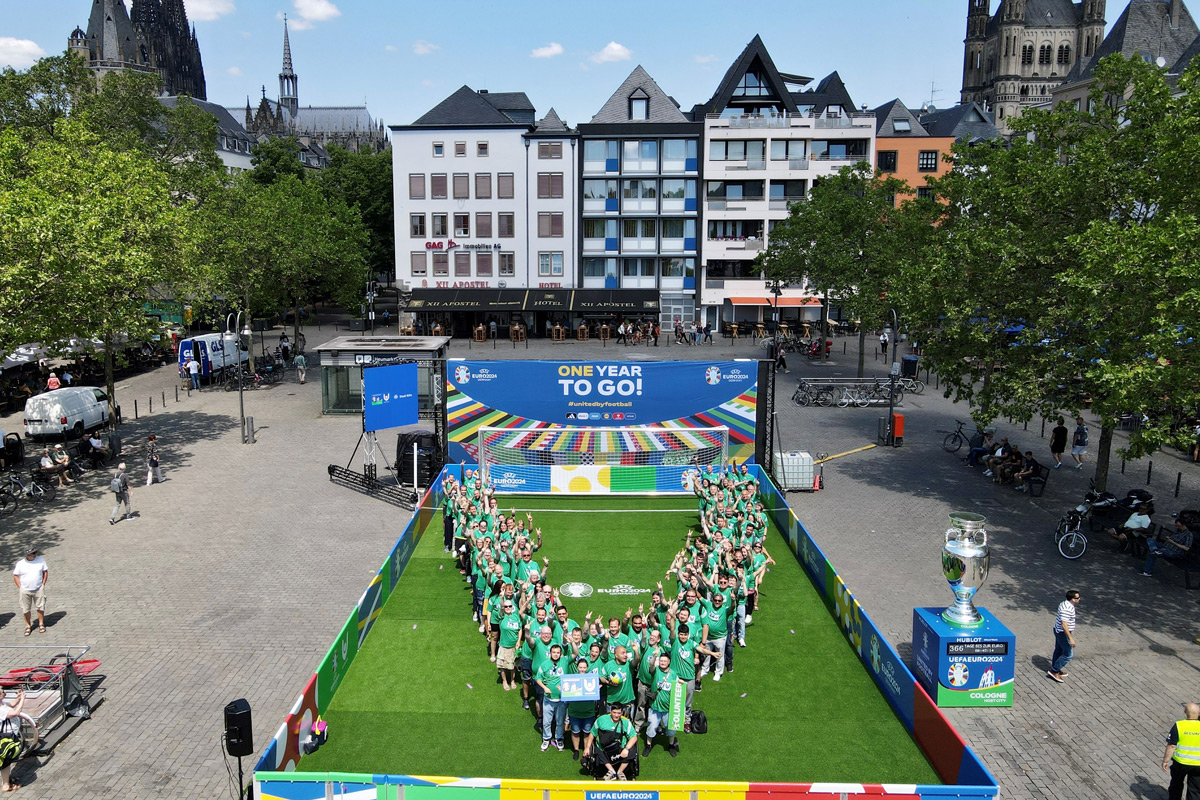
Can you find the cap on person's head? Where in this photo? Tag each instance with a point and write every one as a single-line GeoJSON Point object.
{"type": "Point", "coordinates": [32, 551]}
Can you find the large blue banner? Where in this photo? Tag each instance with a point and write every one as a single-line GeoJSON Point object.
{"type": "Point", "coordinates": [389, 397]}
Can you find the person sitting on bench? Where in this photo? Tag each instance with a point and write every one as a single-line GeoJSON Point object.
{"type": "Point", "coordinates": [1174, 544]}
{"type": "Point", "coordinates": [97, 452]}
{"type": "Point", "coordinates": [1135, 527]}
{"type": "Point", "coordinates": [1029, 468]}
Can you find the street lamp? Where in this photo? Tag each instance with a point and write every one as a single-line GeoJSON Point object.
{"type": "Point", "coordinates": [236, 340]}
{"type": "Point", "coordinates": [891, 420]}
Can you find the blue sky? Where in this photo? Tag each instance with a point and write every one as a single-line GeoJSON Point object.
{"type": "Point", "coordinates": [405, 57]}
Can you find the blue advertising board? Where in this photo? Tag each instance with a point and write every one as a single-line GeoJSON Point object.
{"type": "Point", "coordinates": [582, 686]}
{"type": "Point", "coordinates": [964, 667]}
{"type": "Point", "coordinates": [389, 396]}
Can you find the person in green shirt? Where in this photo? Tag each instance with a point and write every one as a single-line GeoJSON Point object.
{"type": "Point", "coordinates": [533, 628]}
{"type": "Point", "coordinates": [449, 498]}
{"type": "Point", "coordinates": [715, 619]}
{"type": "Point", "coordinates": [645, 676]}
{"type": "Point", "coordinates": [581, 714]}
{"type": "Point", "coordinates": [554, 710]}
{"type": "Point", "coordinates": [615, 638]}
{"type": "Point", "coordinates": [662, 684]}
{"type": "Point", "coordinates": [617, 678]}
{"type": "Point", "coordinates": [614, 743]}
{"type": "Point", "coordinates": [683, 660]}
{"type": "Point", "coordinates": [563, 624]}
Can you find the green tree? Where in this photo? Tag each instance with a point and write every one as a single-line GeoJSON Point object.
{"type": "Point", "coordinates": [275, 158]}
{"type": "Point", "coordinates": [1065, 267]}
{"type": "Point", "coordinates": [364, 181]}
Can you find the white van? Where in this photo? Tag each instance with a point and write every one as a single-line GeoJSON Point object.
{"type": "Point", "coordinates": [213, 351]}
{"type": "Point", "coordinates": [72, 409]}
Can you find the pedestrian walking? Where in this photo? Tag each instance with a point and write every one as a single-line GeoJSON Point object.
{"type": "Point", "coordinates": [1079, 442]}
{"type": "Point", "coordinates": [285, 347]}
{"type": "Point", "coordinates": [883, 343]}
{"type": "Point", "coordinates": [387, 318]}
{"type": "Point", "coordinates": [301, 365]}
{"type": "Point", "coordinates": [119, 486]}
{"type": "Point", "coordinates": [780, 360]}
{"type": "Point", "coordinates": [193, 369]}
{"type": "Point", "coordinates": [30, 575]}
{"type": "Point", "coordinates": [1058, 442]}
{"type": "Point", "coordinates": [153, 470]}
{"type": "Point", "coordinates": [1064, 637]}
{"type": "Point", "coordinates": [301, 343]}
{"type": "Point", "coordinates": [1182, 756]}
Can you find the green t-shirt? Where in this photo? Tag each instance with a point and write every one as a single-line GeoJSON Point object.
{"type": "Point", "coordinates": [649, 663]}
{"type": "Point", "coordinates": [683, 658]}
{"type": "Point", "coordinates": [493, 608]}
{"type": "Point", "coordinates": [622, 728]}
{"type": "Point", "coordinates": [533, 630]}
{"type": "Point", "coordinates": [562, 632]}
{"type": "Point", "coordinates": [663, 683]}
{"type": "Point", "coordinates": [622, 690]}
{"type": "Point", "coordinates": [550, 674]}
{"type": "Point", "coordinates": [717, 620]}
{"type": "Point", "coordinates": [539, 652]}
{"type": "Point", "coordinates": [614, 642]}
{"type": "Point", "coordinates": [510, 630]}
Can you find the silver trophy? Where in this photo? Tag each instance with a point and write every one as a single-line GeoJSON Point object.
{"type": "Point", "coordinates": [965, 560]}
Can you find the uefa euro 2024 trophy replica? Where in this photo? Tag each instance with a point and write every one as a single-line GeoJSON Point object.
{"type": "Point", "coordinates": [965, 561]}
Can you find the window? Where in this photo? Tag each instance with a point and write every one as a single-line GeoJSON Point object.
{"type": "Point", "coordinates": [639, 108]}
{"type": "Point", "coordinates": [639, 195]}
{"type": "Point", "coordinates": [504, 186]}
{"type": "Point", "coordinates": [789, 190]}
{"type": "Point", "coordinates": [734, 229]}
{"type": "Point", "coordinates": [506, 225]}
{"type": "Point", "coordinates": [462, 264]}
{"type": "Point", "coordinates": [416, 187]}
{"type": "Point", "coordinates": [441, 265]}
{"type": "Point", "coordinates": [437, 187]}
{"type": "Point", "coordinates": [1064, 54]}
{"type": "Point", "coordinates": [638, 268]}
{"type": "Point", "coordinates": [1026, 55]}
{"type": "Point", "coordinates": [902, 125]}
{"type": "Point", "coordinates": [462, 186]}
{"type": "Point", "coordinates": [1044, 53]}
{"type": "Point", "coordinates": [787, 150]}
{"type": "Point", "coordinates": [678, 268]}
{"type": "Point", "coordinates": [483, 264]}
{"type": "Point", "coordinates": [887, 161]}
{"type": "Point", "coordinates": [549, 150]}
{"type": "Point", "coordinates": [677, 153]}
{"type": "Point", "coordinates": [550, 223]}
{"type": "Point", "coordinates": [460, 148]}
{"type": "Point", "coordinates": [735, 150]}
{"type": "Point", "coordinates": [439, 150]}
{"type": "Point", "coordinates": [639, 156]}
{"type": "Point", "coordinates": [550, 264]}
{"type": "Point", "coordinates": [924, 193]}
{"type": "Point", "coordinates": [599, 190]}
{"type": "Point", "coordinates": [438, 227]}
{"type": "Point", "coordinates": [418, 263]}
{"type": "Point", "coordinates": [751, 85]}
{"type": "Point", "coordinates": [481, 149]}
{"type": "Point", "coordinates": [483, 225]}
{"type": "Point", "coordinates": [483, 185]}
{"type": "Point", "coordinates": [600, 155]}
{"type": "Point", "coordinates": [674, 228]}
{"type": "Point", "coordinates": [550, 184]}
{"type": "Point", "coordinates": [462, 224]}
{"type": "Point", "coordinates": [599, 229]}
{"type": "Point", "coordinates": [508, 265]}
{"type": "Point", "coordinates": [599, 268]}
{"type": "Point", "coordinates": [416, 225]}
{"type": "Point", "coordinates": [927, 161]}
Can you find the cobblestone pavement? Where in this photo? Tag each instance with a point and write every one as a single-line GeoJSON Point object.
{"type": "Point", "coordinates": [240, 568]}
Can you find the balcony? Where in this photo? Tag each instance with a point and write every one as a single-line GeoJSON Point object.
{"type": "Point", "coordinates": [750, 243]}
{"type": "Point", "coordinates": [738, 166]}
{"type": "Point", "coordinates": [782, 203]}
{"type": "Point", "coordinates": [856, 120]}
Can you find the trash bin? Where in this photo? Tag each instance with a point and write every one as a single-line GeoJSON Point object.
{"type": "Point", "coordinates": [908, 367]}
{"type": "Point", "coordinates": [897, 430]}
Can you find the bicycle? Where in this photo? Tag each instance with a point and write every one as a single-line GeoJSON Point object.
{"type": "Point", "coordinates": [858, 397]}
{"type": "Point", "coordinates": [911, 385]}
{"type": "Point", "coordinates": [956, 439]}
{"type": "Point", "coordinates": [1071, 540]}
{"type": "Point", "coordinates": [8, 502]}
{"type": "Point", "coordinates": [880, 391]}
{"type": "Point", "coordinates": [37, 490]}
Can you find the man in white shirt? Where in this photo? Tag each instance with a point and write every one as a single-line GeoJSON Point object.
{"type": "Point", "coordinates": [30, 576]}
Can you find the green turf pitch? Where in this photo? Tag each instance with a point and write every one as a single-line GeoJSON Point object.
{"type": "Point", "coordinates": [798, 707]}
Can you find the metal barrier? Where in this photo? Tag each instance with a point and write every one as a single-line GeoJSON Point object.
{"type": "Point", "coordinates": [388, 492]}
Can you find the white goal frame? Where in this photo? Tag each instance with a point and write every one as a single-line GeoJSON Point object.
{"type": "Point", "coordinates": [634, 446]}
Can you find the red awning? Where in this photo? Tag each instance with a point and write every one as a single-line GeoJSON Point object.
{"type": "Point", "coordinates": [784, 302]}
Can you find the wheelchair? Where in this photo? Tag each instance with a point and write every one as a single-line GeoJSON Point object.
{"type": "Point", "coordinates": [590, 765]}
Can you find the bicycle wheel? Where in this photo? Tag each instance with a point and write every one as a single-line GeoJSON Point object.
{"type": "Point", "coordinates": [801, 398]}
{"type": "Point", "coordinates": [28, 735]}
{"type": "Point", "coordinates": [915, 386]}
{"type": "Point", "coordinates": [898, 395]}
{"type": "Point", "coordinates": [825, 398]}
{"type": "Point", "coordinates": [39, 492]}
{"type": "Point", "coordinates": [845, 400]}
{"type": "Point", "coordinates": [8, 503]}
{"type": "Point", "coordinates": [862, 398]}
{"type": "Point", "coordinates": [1073, 545]}
{"type": "Point", "coordinates": [952, 443]}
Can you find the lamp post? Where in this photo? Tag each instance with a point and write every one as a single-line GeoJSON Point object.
{"type": "Point", "coordinates": [236, 340]}
{"type": "Point", "coordinates": [891, 420]}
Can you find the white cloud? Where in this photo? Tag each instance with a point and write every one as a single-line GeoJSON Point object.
{"type": "Point", "coordinates": [235, 71]}
{"type": "Point", "coordinates": [427, 82]}
{"type": "Point", "coordinates": [612, 52]}
{"type": "Point", "coordinates": [207, 10]}
{"type": "Point", "coordinates": [422, 47]}
{"type": "Point", "coordinates": [19, 53]}
{"type": "Point", "coordinates": [391, 48]}
{"type": "Point", "coordinates": [705, 59]}
{"type": "Point", "coordinates": [316, 10]}
{"type": "Point", "coordinates": [295, 24]}
{"type": "Point", "coordinates": [549, 51]}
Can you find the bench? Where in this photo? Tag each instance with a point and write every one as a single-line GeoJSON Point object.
{"type": "Point", "coordinates": [1037, 481]}
{"type": "Point", "coordinates": [1187, 563]}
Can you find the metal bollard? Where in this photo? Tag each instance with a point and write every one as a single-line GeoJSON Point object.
{"type": "Point", "coordinates": [150, 400]}
{"type": "Point", "coordinates": [1149, 472]}
{"type": "Point", "coordinates": [1043, 427]}
{"type": "Point", "coordinates": [164, 399]}
{"type": "Point", "coordinates": [1122, 466]}
{"type": "Point", "coordinates": [1178, 479]}
{"type": "Point", "coordinates": [135, 408]}
{"type": "Point", "coordinates": [176, 394]}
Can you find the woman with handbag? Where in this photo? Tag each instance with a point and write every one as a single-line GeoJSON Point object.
{"type": "Point", "coordinates": [153, 470]}
{"type": "Point", "coordinates": [10, 740]}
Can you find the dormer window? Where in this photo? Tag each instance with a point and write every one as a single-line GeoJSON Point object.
{"type": "Point", "coordinates": [639, 106]}
{"type": "Point", "coordinates": [902, 126]}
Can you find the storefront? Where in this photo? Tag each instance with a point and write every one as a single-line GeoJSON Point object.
{"type": "Point", "coordinates": [342, 361]}
{"type": "Point", "coordinates": [458, 311]}
{"type": "Point", "coordinates": [796, 311]}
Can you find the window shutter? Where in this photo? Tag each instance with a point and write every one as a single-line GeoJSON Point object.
{"type": "Point", "coordinates": [556, 184]}
{"type": "Point", "coordinates": [543, 224]}
{"type": "Point", "coordinates": [416, 187]}
{"type": "Point", "coordinates": [483, 264]}
{"type": "Point", "coordinates": [438, 187]}
{"type": "Point", "coordinates": [462, 264]}
{"type": "Point", "coordinates": [483, 185]}
{"type": "Point", "coordinates": [462, 186]}
{"type": "Point", "coordinates": [504, 185]}
{"type": "Point", "coordinates": [483, 225]}
{"type": "Point", "coordinates": [556, 224]}
{"type": "Point", "coordinates": [418, 263]}
{"type": "Point", "coordinates": [543, 184]}
{"type": "Point", "coordinates": [506, 226]}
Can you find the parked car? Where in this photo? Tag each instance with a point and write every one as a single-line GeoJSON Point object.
{"type": "Point", "coordinates": [72, 409]}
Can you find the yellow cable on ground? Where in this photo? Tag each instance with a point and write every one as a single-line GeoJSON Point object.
{"type": "Point", "coordinates": [847, 453]}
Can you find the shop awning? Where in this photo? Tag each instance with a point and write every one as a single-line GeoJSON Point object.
{"type": "Point", "coordinates": [493, 300]}
{"type": "Point", "coordinates": [783, 302]}
{"type": "Point", "coordinates": [549, 300]}
{"type": "Point", "coordinates": [616, 302]}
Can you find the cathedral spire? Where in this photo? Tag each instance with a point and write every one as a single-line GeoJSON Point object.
{"type": "Point", "coordinates": [287, 50]}
{"type": "Point", "coordinates": [289, 84]}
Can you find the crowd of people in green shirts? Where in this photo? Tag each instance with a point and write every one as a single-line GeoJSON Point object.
{"type": "Point", "coordinates": [687, 633]}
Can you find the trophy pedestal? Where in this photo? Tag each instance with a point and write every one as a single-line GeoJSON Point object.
{"type": "Point", "coordinates": [964, 667]}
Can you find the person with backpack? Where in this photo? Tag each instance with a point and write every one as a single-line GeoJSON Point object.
{"type": "Point", "coordinates": [10, 739]}
{"type": "Point", "coordinates": [613, 743]}
{"type": "Point", "coordinates": [1079, 442]}
{"type": "Point", "coordinates": [119, 486]}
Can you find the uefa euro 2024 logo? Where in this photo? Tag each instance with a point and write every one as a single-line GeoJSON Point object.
{"type": "Point", "coordinates": [712, 376]}
{"type": "Point", "coordinates": [462, 374]}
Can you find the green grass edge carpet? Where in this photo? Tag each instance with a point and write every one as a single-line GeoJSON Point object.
{"type": "Point", "coordinates": [421, 697]}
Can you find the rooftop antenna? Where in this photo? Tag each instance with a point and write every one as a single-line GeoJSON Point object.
{"type": "Point", "coordinates": [933, 92]}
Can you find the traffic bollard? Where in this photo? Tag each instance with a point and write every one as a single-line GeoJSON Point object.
{"type": "Point", "coordinates": [1149, 471]}
{"type": "Point", "coordinates": [1178, 480]}
{"type": "Point", "coordinates": [135, 409]}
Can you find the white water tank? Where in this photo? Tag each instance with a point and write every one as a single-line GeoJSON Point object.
{"type": "Point", "coordinates": [794, 471]}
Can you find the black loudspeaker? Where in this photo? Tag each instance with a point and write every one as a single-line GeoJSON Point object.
{"type": "Point", "coordinates": [239, 736]}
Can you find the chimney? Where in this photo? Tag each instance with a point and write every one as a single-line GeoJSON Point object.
{"type": "Point", "coordinates": [1176, 13]}
{"type": "Point", "coordinates": [483, 91]}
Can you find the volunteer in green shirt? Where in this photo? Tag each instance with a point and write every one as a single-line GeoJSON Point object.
{"type": "Point", "coordinates": [614, 744]}
{"type": "Point", "coordinates": [581, 714]}
{"type": "Point", "coordinates": [683, 661]}
{"type": "Point", "coordinates": [510, 639]}
{"type": "Point", "coordinates": [449, 500]}
{"type": "Point", "coordinates": [715, 619]}
{"type": "Point", "coordinates": [533, 629]}
{"type": "Point", "coordinates": [554, 710]}
{"type": "Point", "coordinates": [662, 684]}
{"type": "Point", "coordinates": [644, 692]}
{"type": "Point", "coordinates": [617, 677]}
{"type": "Point", "coordinates": [615, 638]}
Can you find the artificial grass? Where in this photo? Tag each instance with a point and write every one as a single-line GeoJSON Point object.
{"type": "Point", "coordinates": [421, 697]}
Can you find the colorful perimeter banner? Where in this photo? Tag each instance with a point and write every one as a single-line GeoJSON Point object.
{"type": "Point", "coordinates": [541, 394]}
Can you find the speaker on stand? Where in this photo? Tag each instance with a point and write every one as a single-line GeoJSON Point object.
{"type": "Point", "coordinates": [239, 735]}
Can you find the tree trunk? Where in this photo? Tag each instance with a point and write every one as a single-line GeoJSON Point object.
{"type": "Point", "coordinates": [824, 329]}
{"type": "Point", "coordinates": [250, 344]}
{"type": "Point", "coordinates": [109, 381]}
{"type": "Point", "coordinates": [1103, 456]}
{"type": "Point", "coordinates": [296, 325]}
{"type": "Point", "coordinates": [862, 350]}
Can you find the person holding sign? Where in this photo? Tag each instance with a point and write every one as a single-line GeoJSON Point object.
{"type": "Point", "coordinates": [666, 710]}
{"type": "Point", "coordinates": [549, 679]}
{"type": "Point", "coordinates": [581, 714]}
{"type": "Point", "coordinates": [617, 740]}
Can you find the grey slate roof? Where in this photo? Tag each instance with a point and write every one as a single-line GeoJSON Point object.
{"type": "Point", "coordinates": [551, 123]}
{"type": "Point", "coordinates": [754, 51]}
{"type": "Point", "coordinates": [227, 124]}
{"type": "Point", "coordinates": [514, 105]}
{"type": "Point", "coordinates": [1188, 56]}
{"type": "Point", "coordinates": [1144, 30]}
{"type": "Point", "coordinates": [829, 92]}
{"type": "Point", "coordinates": [888, 113]}
{"type": "Point", "coordinates": [1053, 13]}
{"type": "Point", "coordinates": [964, 121]}
{"type": "Point", "coordinates": [332, 119]}
{"type": "Point", "coordinates": [466, 107]}
{"type": "Point", "coordinates": [661, 107]}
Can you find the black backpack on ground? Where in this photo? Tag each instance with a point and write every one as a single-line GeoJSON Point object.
{"type": "Point", "coordinates": [699, 722]}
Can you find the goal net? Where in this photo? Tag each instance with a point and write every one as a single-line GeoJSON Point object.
{"type": "Point", "coordinates": [615, 447]}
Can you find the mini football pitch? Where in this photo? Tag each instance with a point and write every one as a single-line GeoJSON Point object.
{"type": "Point", "coordinates": [421, 697]}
